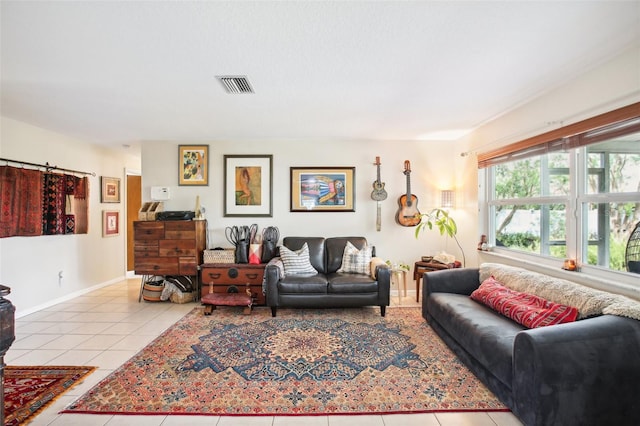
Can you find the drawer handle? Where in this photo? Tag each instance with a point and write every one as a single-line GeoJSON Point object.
{"type": "Point", "coordinates": [252, 276]}
{"type": "Point", "coordinates": [214, 276]}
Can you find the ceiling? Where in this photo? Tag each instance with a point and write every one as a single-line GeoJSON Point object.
{"type": "Point", "coordinates": [123, 72]}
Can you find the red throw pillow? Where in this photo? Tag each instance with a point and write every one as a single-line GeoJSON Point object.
{"type": "Point", "coordinates": [526, 309]}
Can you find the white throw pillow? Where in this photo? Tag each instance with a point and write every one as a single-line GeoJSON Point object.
{"type": "Point", "coordinates": [297, 262]}
{"type": "Point", "coordinates": [356, 261]}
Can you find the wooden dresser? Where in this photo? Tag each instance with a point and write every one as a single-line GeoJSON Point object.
{"type": "Point", "coordinates": [168, 248]}
{"type": "Point", "coordinates": [233, 278]}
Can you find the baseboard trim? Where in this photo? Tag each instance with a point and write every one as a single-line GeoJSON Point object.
{"type": "Point", "coordinates": [67, 297]}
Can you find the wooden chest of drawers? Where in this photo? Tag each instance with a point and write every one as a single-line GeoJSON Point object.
{"type": "Point", "coordinates": [233, 278]}
{"type": "Point", "coordinates": [168, 247]}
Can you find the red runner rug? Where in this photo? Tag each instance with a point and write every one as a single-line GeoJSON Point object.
{"type": "Point", "coordinates": [303, 362]}
{"type": "Point", "coordinates": [27, 390]}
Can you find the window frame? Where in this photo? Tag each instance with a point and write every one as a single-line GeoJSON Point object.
{"type": "Point", "coordinates": [575, 140]}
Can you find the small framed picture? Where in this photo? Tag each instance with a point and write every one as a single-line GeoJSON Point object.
{"type": "Point", "coordinates": [110, 223]}
{"type": "Point", "coordinates": [110, 190]}
{"type": "Point", "coordinates": [193, 165]}
{"type": "Point", "coordinates": [323, 189]}
{"type": "Point", "coordinates": [248, 185]}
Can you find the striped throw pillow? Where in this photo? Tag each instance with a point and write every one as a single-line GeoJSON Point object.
{"type": "Point", "coordinates": [297, 262]}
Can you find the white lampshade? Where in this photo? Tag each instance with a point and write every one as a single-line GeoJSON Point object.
{"type": "Point", "coordinates": [448, 199]}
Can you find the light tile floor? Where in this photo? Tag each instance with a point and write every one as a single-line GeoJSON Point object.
{"type": "Point", "coordinates": [108, 326]}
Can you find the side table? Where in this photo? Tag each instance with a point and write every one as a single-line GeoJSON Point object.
{"type": "Point", "coordinates": [398, 277]}
{"type": "Point", "coordinates": [233, 278]}
{"type": "Point", "coordinates": [420, 268]}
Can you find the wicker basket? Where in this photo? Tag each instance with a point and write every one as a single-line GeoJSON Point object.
{"type": "Point", "coordinates": [152, 290]}
{"type": "Point", "coordinates": [180, 297]}
{"type": "Point", "coordinates": [219, 256]}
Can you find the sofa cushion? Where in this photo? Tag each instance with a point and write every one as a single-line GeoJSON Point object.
{"type": "Point", "coordinates": [526, 309]}
{"type": "Point", "coordinates": [294, 284]}
{"type": "Point", "coordinates": [351, 283]}
{"type": "Point", "coordinates": [354, 260]}
{"type": "Point", "coordinates": [485, 334]}
{"type": "Point", "coordinates": [297, 262]}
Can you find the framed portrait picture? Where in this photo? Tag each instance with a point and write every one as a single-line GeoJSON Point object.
{"type": "Point", "coordinates": [110, 223]}
{"type": "Point", "coordinates": [248, 185]}
{"type": "Point", "coordinates": [323, 189]}
{"type": "Point", "coordinates": [110, 190]}
{"type": "Point", "coordinates": [193, 165]}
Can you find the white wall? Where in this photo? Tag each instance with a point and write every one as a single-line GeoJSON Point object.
{"type": "Point", "coordinates": [431, 171]}
{"type": "Point", "coordinates": [30, 265]}
{"type": "Point", "coordinates": [611, 85]}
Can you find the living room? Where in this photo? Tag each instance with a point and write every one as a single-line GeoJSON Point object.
{"type": "Point", "coordinates": [47, 270]}
{"type": "Point", "coordinates": [69, 265]}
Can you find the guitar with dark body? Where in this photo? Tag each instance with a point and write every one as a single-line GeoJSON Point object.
{"type": "Point", "coordinates": [408, 213]}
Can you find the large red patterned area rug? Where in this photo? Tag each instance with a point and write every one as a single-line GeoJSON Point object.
{"type": "Point", "coordinates": [303, 362]}
{"type": "Point", "coordinates": [27, 390]}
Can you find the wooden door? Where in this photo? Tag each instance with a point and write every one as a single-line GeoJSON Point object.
{"type": "Point", "coordinates": [134, 202]}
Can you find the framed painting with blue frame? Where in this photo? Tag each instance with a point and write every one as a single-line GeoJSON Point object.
{"type": "Point", "coordinates": [323, 189]}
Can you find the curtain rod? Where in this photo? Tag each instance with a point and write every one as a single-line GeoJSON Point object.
{"type": "Point", "coordinates": [46, 166]}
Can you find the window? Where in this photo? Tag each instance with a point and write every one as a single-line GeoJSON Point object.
{"type": "Point", "coordinates": [568, 195]}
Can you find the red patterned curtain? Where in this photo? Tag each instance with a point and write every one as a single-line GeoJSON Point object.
{"type": "Point", "coordinates": [34, 203]}
{"type": "Point", "coordinates": [21, 202]}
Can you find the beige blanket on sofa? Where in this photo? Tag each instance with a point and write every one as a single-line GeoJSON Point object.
{"type": "Point", "coordinates": [587, 300]}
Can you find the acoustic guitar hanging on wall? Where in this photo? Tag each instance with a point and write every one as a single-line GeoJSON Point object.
{"type": "Point", "coordinates": [378, 194]}
{"type": "Point", "coordinates": [408, 213]}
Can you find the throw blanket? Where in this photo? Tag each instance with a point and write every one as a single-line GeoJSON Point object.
{"type": "Point", "coordinates": [35, 203]}
{"type": "Point", "coordinates": [588, 301]}
{"type": "Point", "coordinates": [277, 262]}
{"type": "Point", "coordinates": [21, 209]}
{"type": "Point", "coordinates": [53, 214]}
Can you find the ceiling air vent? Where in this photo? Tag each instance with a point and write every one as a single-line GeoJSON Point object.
{"type": "Point", "coordinates": [235, 83]}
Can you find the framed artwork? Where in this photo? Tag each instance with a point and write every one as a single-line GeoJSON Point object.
{"type": "Point", "coordinates": [110, 190]}
{"type": "Point", "coordinates": [110, 223]}
{"type": "Point", "coordinates": [323, 189]}
{"type": "Point", "coordinates": [193, 165]}
{"type": "Point", "coordinates": [248, 186]}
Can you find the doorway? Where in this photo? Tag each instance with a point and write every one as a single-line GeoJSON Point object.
{"type": "Point", "coordinates": [134, 202]}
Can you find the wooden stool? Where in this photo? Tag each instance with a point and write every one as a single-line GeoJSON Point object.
{"type": "Point", "coordinates": [399, 277]}
{"type": "Point", "coordinates": [211, 300]}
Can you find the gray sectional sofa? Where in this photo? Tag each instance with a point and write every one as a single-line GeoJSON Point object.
{"type": "Point", "coordinates": [328, 288]}
{"type": "Point", "coordinates": [585, 372]}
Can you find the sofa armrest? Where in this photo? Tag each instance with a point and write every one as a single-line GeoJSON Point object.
{"type": "Point", "coordinates": [272, 276]}
{"type": "Point", "coordinates": [585, 372]}
{"type": "Point", "coordinates": [383, 276]}
{"type": "Point", "coordinates": [458, 281]}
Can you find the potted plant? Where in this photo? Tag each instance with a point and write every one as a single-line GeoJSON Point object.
{"type": "Point", "coordinates": [443, 222]}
